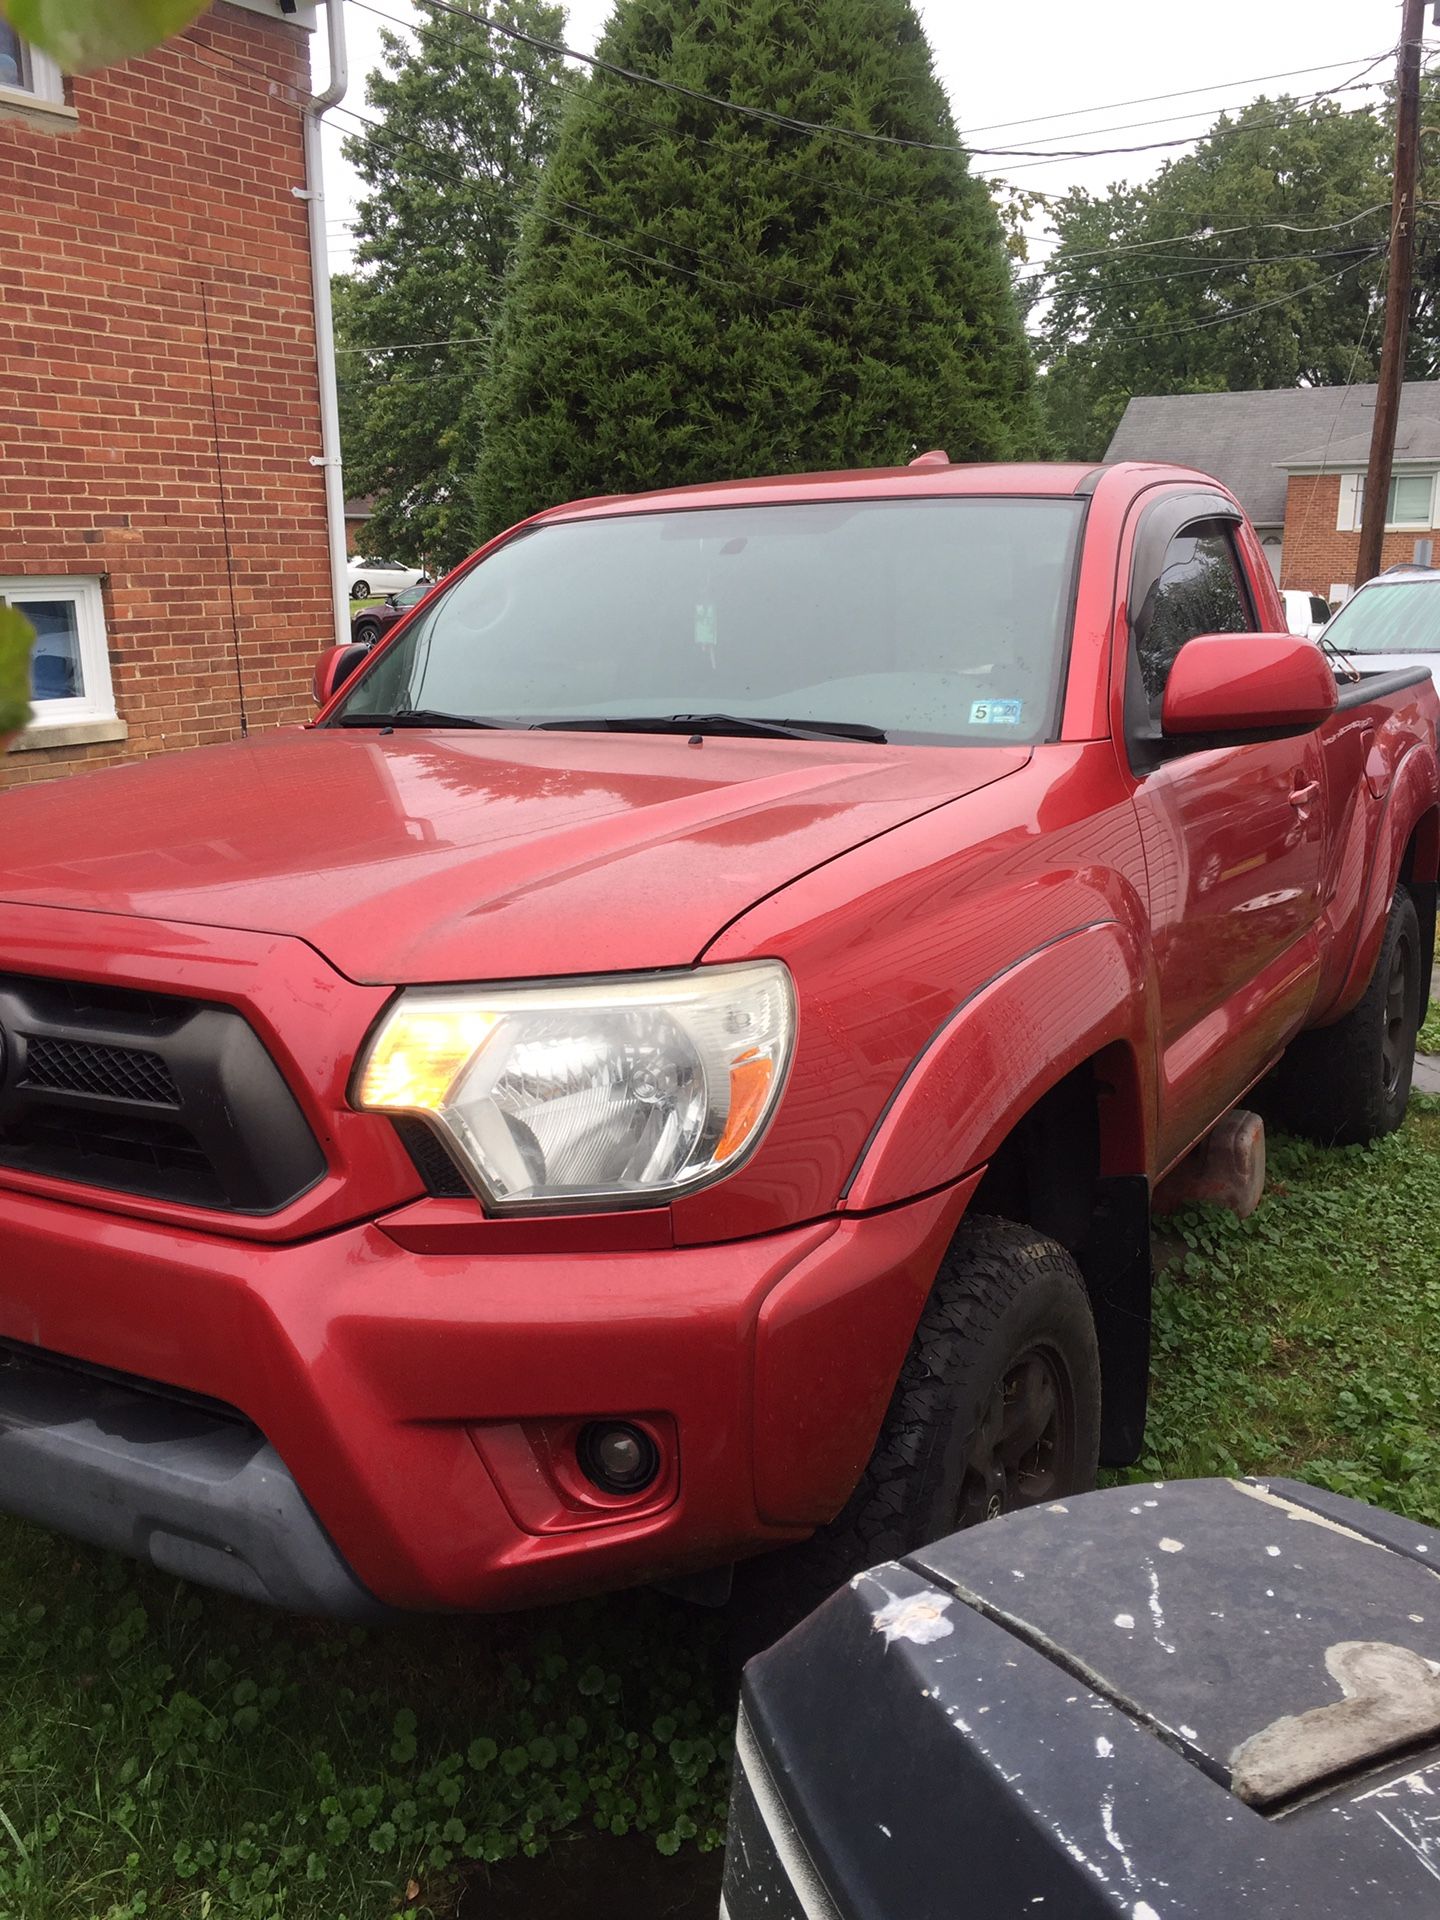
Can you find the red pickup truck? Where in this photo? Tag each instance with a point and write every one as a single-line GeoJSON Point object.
{"type": "Point", "coordinates": [675, 1059]}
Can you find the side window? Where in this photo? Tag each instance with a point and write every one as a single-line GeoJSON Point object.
{"type": "Point", "coordinates": [1200, 589]}
{"type": "Point", "coordinates": [1319, 611]}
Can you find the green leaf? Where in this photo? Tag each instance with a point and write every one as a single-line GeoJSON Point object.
{"type": "Point", "coordinates": [16, 638]}
{"type": "Point", "coordinates": [81, 34]}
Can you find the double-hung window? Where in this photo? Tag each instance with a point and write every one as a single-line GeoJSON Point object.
{"type": "Point", "coordinates": [70, 666]}
{"type": "Point", "coordinates": [1409, 507]}
{"type": "Point", "coordinates": [31, 85]}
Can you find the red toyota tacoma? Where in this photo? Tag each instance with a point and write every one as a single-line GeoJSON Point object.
{"type": "Point", "coordinates": [676, 1058]}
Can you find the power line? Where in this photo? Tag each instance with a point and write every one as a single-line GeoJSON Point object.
{"type": "Point", "coordinates": [1240, 313]}
{"type": "Point", "coordinates": [1184, 93]}
{"type": "Point", "coordinates": [1354, 255]}
{"type": "Point", "coordinates": [994, 126]}
{"type": "Point", "coordinates": [1355, 84]}
{"type": "Point", "coordinates": [790, 123]}
{"type": "Point", "coordinates": [750, 291]}
{"type": "Point", "coordinates": [1225, 233]}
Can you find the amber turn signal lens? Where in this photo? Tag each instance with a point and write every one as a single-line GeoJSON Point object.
{"type": "Point", "coordinates": [420, 1053]}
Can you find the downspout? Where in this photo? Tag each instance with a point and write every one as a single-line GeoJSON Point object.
{"type": "Point", "coordinates": [313, 192]}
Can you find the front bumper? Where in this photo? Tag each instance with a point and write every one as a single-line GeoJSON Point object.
{"type": "Point", "coordinates": [400, 1403]}
{"type": "Point", "coordinates": [186, 1486]}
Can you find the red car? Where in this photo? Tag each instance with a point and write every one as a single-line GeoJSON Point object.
{"type": "Point", "coordinates": [676, 1058]}
{"type": "Point", "coordinates": [368, 624]}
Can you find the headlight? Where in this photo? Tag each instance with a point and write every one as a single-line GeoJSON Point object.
{"type": "Point", "coordinates": [620, 1090]}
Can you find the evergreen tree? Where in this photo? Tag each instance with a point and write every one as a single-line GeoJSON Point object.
{"type": "Point", "coordinates": [699, 294]}
{"type": "Point", "coordinates": [469, 117]}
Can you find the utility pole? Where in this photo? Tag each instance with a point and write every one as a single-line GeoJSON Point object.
{"type": "Point", "coordinates": [1397, 292]}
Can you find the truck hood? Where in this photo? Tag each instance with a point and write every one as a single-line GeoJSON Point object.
{"type": "Point", "coordinates": [420, 856]}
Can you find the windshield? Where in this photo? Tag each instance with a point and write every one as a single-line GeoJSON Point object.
{"type": "Point", "coordinates": [939, 619]}
{"type": "Point", "coordinates": [1402, 617]}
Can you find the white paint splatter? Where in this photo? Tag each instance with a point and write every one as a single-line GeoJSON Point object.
{"type": "Point", "coordinates": [1274, 1552]}
{"type": "Point", "coordinates": [1112, 1837]}
{"type": "Point", "coordinates": [919, 1618]}
{"type": "Point", "coordinates": [1126, 1621]}
{"type": "Point", "coordinates": [1149, 1503]}
{"type": "Point", "coordinates": [884, 1829]}
{"type": "Point", "coordinates": [1167, 1545]}
{"type": "Point", "coordinates": [1017, 1573]}
{"type": "Point", "coordinates": [1142, 1910]}
{"type": "Point", "coordinates": [1418, 1618]}
{"type": "Point", "coordinates": [1104, 1747]}
{"type": "Point", "coordinates": [1057, 1508]}
{"type": "Point", "coordinates": [1188, 1733]}
{"type": "Point", "coordinates": [1157, 1612]}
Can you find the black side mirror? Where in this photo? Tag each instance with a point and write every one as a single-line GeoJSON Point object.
{"type": "Point", "coordinates": [334, 668]}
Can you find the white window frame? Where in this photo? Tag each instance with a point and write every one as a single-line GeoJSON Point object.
{"type": "Point", "coordinates": [1352, 504]}
{"type": "Point", "coordinates": [97, 703]}
{"type": "Point", "coordinates": [46, 83]}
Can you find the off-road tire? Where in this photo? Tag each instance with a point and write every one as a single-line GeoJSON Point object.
{"type": "Point", "coordinates": [1349, 1084]}
{"type": "Point", "coordinates": [1004, 1293]}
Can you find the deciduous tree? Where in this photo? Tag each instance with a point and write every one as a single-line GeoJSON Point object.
{"type": "Point", "coordinates": [468, 118]}
{"type": "Point", "coordinates": [1254, 261]}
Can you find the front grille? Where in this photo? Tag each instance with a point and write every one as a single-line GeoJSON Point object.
{"type": "Point", "coordinates": [80, 1066]}
{"type": "Point", "coordinates": [153, 1157]}
{"type": "Point", "coordinates": [147, 1093]}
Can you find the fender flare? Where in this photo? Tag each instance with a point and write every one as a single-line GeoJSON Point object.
{"type": "Point", "coordinates": [1409, 801]}
{"type": "Point", "coordinates": [999, 1050]}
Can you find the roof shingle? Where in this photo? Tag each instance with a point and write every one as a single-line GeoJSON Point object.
{"type": "Point", "coordinates": [1248, 440]}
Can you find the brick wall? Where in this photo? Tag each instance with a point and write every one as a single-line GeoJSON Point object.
{"type": "Point", "coordinates": [1315, 554]}
{"type": "Point", "coordinates": [157, 335]}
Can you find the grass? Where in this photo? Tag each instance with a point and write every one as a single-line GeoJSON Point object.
{"type": "Point", "coordinates": [1302, 1340]}
{"type": "Point", "coordinates": [169, 1753]}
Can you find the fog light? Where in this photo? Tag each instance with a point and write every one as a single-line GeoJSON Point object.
{"type": "Point", "coordinates": [617, 1457]}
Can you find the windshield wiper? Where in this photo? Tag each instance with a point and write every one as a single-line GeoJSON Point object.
{"type": "Point", "coordinates": [1338, 658]}
{"type": "Point", "coordinates": [413, 717]}
{"type": "Point", "coordinates": [729, 723]}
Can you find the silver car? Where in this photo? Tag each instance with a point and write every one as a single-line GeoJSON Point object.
{"type": "Point", "coordinates": [1392, 621]}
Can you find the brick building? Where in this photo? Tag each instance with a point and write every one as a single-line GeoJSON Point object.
{"type": "Point", "coordinates": [161, 521]}
{"type": "Point", "coordinates": [1296, 459]}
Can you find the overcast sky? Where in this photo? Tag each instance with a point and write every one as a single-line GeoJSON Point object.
{"type": "Point", "coordinates": [1002, 62]}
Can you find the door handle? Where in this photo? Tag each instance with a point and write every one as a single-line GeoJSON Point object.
{"type": "Point", "coordinates": [1301, 797]}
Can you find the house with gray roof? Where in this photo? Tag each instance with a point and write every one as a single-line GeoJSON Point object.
{"type": "Point", "coordinates": [1295, 458]}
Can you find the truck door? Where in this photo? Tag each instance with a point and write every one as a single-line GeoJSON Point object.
{"type": "Point", "coordinates": [1232, 835]}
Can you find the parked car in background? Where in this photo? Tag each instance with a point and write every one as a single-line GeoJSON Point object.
{"type": "Point", "coordinates": [368, 623]}
{"type": "Point", "coordinates": [381, 576]}
{"type": "Point", "coordinates": [676, 1059]}
{"type": "Point", "coordinates": [1305, 613]}
{"type": "Point", "coordinates": [1393, 621]}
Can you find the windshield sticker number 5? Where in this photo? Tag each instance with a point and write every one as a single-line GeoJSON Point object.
{"type": "Point", "coordinates": [996, 713]}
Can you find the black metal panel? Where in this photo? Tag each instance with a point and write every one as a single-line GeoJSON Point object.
{"type": "Point", "coordinates": [147, 1093]}
{"type": "Point", "coordinates": [1040, 1716]}
{"type": "Point", "coordinates": [432, 1159]}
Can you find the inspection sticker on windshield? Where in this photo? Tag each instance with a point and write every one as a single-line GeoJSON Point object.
{"type": "Point", "coordinates": [996, 713]}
